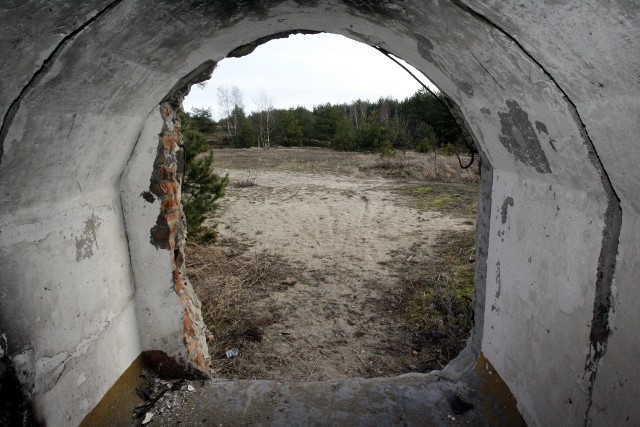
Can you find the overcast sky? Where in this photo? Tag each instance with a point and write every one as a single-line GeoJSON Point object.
{"type": "Point", "coordinates": [308, 70]}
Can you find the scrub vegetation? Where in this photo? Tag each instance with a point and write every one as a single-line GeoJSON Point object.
{"type": "Point", "coordinates": [332, 257]}
{"type": "Point", "coordinates": [420, 123]}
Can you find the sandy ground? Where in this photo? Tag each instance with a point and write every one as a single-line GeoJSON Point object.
{"type": "Point", "coordinates": [341, 235]}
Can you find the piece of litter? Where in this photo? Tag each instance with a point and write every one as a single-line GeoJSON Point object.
{"type": "Point", "coordinates": [231, 353]}
{"type": "Point", "coordinates": [147, 418]}
{"type": "Point", "coordinates": [191, 388]}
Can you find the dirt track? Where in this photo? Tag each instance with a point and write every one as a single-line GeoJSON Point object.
{"type": "Point", "coordinates": [337, 316]}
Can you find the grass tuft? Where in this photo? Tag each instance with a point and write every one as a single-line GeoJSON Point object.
{"type": "Point", "coordinates": [229, 278]}
{"type": "Point", "coordinates": [245, 182]}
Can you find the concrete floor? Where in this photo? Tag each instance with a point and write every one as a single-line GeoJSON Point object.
{"type": "Point", "coordinates": [408, 400]}
{"type": "Point", "coordinates": [405, 400]}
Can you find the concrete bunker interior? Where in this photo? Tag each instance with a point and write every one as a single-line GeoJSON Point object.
{"type": "Point", "coordinates": [559, 215]}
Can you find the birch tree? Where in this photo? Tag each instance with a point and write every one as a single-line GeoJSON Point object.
{"type": "Point", "coordinates": [225, 104]}
{"type": "Point", "coordinates": [231, 108]}
{"type": "Point", "coordinates": [238, 107]}
{"type": "Point", "coordinates": [266, 112]}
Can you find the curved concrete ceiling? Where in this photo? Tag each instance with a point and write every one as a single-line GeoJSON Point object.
{"type": "Point", "coordinates": [549, 92]}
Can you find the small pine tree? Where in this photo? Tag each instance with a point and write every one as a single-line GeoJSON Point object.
{"type": "Point", "coordinates": [201, 189]}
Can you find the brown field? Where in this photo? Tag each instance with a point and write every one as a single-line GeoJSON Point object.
{"type": "Point", "coordinates": [332, 264]}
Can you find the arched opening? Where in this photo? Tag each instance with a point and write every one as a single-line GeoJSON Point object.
{"type": "Point", "coordinates": [549, 219]}
{"type": "Point", "coordinates": [336, 256]}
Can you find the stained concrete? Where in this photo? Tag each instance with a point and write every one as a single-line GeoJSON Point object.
{"type": "Point", "coordinates": [407, 400]}
{"type": "Point", "coordinates": [401, 401]}
{"type": "Point", "coordinates": [548, 91]}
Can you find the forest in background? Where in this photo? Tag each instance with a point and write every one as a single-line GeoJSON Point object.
{"type": "Point", "coordinates": [420, 123]}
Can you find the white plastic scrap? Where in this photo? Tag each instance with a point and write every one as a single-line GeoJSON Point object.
{"type": "Point", "coordinates": [191, 388]}
{"type": "Point", "coordinates": [147, 418]}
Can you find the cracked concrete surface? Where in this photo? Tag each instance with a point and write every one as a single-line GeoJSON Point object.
{"type": "Point", "coordinates": [548, 91]}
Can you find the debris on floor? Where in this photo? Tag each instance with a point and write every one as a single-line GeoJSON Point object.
{"type": "Point", "coordinates": [147, 418]}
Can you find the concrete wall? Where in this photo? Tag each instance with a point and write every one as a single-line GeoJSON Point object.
{"type": "Point", "coordinates": [548, 89]}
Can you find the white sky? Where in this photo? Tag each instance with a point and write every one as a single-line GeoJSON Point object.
{"type": "Point", "coordinates": [308, 70]}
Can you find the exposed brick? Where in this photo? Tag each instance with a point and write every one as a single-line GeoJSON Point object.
{"type": "Point", "coordinates": [172, 217]}
{"type": "Point", "coordinates": [156, 188]}
{"type": "Point", "coordinates": [166, 188]}
{"type": "Point", "coordinates": [170, 142]}
{"type": "Point", "coordinates": [165, 158]}
{"type": "Point", "coordinates": [161, 221]}
{"type": "Point", "coordinates": [164, 184]}
{"type": "Point", "coordinates": [187, 323]}
{"type": "Point", "coordinates": [201, 361]}
{"type": "Point", "coordinates": [179, 286]}
{"type": "Point", "coordinates": [170, 204]}
{"type": "Point", "coordinates": [191, 345]}
{"type": "Point", "coordinates": [164, 173]}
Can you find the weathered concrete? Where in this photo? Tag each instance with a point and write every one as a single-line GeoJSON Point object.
{"type": "Point", "coordinates": [407, 400]}
{"type": "Point", "coordinates": [549, 91]}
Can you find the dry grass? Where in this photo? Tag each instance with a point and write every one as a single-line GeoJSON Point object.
{"type": "Point", "coordinates": [408, 165]}
{"type": "Point", "coordinates": [435, 305]}
{"type": "Point", "coordinates": [245, 182]}
{"type": "Point", "coordinates": [438, 309]}
{"type": "Point", "coordinates": [229, 278]}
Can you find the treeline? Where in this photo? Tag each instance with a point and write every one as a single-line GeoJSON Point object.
{"type": "Point", "coordinates": [421, 122]}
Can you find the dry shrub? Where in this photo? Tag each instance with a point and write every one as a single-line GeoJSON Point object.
{"type": "Point", "coordinates": [230, 279]}
{"type": "Point", "coordinates": [406, 165]}
{"type": "Point", "coordinates": [425, 167]}
{"type": "Point", "coordinates": [245, 182]}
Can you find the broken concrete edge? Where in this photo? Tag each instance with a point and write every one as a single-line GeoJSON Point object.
{"type": "Point", "coordinates": [176, 95]}
{"type": "Point", "coordinates": [248, 48]}
{"type": "Point", "coordinates": [169, 232]}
